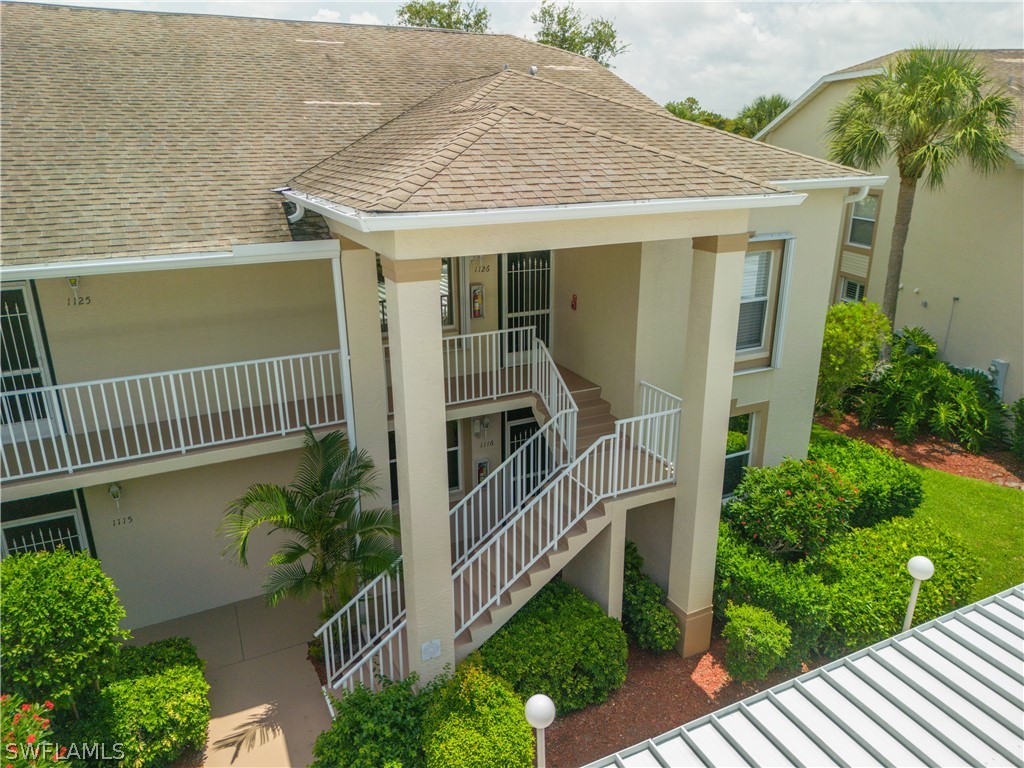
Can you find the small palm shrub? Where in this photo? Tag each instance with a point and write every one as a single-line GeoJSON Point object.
{"type": "Point", "coordinates": [866, 572]}
{"type": "Point", "coordinates": [756, 642]}
{"type": "Point", "coordinates": [475, 720]}
{"type": "Point", "coordinates": [645, 617]}
{"type": "Point", "coordinates": [886, 486]}
{"type": "Point", "coordinates": [918, 393]}
{"type": "Point", "coordinates": [791, 510]}
{"type": "Point", "coordinates": [560, 643]}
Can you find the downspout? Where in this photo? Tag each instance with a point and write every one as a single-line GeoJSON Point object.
{"type": "Point", "coordinates": [300, 211]}
{"type": "Point", "coordinates": [856, 197]}
{"type": "Point", "coordinates": [346, 360]}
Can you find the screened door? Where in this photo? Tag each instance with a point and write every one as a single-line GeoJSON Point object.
{"type": "Point", "coordinates": [526, 299]}
{"type": "Point", "coordinates": [520, 426]}
{"type": "Point", "coordinates": [24, 414]}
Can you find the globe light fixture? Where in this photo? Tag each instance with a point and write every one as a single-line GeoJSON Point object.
{"type": "Point", "coordinates": [540, 713]}
{"type": "Point", "coordinates": [921, 569]}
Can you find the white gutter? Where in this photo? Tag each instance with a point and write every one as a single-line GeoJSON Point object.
{"type": "Point", "coordinates": [838, 182]}
{"type": "Point", "coordinates": [261, 253]}
{"type": "Point", "coordinates": [387, 222]}
{"type": "Point", "coordinates": [857, 196]}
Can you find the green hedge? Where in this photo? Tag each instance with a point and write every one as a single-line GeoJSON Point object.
{"type": "Point", "coordinates": [475, 720]}
{"type": "Point", "coordinates": [156, 708]}
{"type": "Point", "coordinates": [371, 730]}
{"type": "Point", "coordinates": [756, 642]}
{"type": "Point", "coordinates": [744, 575]}
{"type": "Point", "coordinates": [887, 487]}
{"type": "Point", "coordinates": [866, 572]}
{"type": "Point", "coordinates": [645, 618]}
{"type": "Point", "coordinates": [791, 510]}
{"type": "Point", "coordinates": [1017, 428]}
{"type": "Point", "coordinates": [561, 644]}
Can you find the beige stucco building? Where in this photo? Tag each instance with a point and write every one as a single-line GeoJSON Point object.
{"type": "Point", "coordinates": [523, 287]}
{"type": "Point", "coordinates": [963, 268]}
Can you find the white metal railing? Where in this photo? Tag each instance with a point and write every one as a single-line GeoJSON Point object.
{"type": "Point", "coordinates": [68, 427]}
{"type": "Point", "coordinates": [662, 444]}
{"type": "Point", "coordinates": [617, 463]}
{"type": "Point", "coordinates": [485, 508]}
{"type": "Point", "coordinates": [481, 366]}
{"type": "Point", "coordinates": [361, 628]}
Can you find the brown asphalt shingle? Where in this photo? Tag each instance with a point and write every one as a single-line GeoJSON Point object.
{"type": "Point", "coordinates": [133, 134]}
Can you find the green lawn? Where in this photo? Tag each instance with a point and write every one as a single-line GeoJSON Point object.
{"type": "Point", "coordinates": [988, 517]}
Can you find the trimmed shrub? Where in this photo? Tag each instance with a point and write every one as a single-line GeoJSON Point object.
{"type": "Point", "coordinates": [887, 487]}
{"type": "Point", "coordinates": [1017, 430]}
{"type": "Point", "coordinates": [154, 712]}
{"type": "Point", "coordinates": [60, 632]}
{"type": "Point", "coordinates": [920, 393]}
{"type": "Point", "coordinates": [756, 642]}
{"type": "Point", "coordinates": [645, 618]}
{"type": "Point", "coordinates": [791, 510]}
{"type": "Point", "coordinates": [376, 729]}
{"type": "Point", "coordinates": [27, 739]}
{"type": "Point", "coordinates": [475, 720]}
{"type": "Point", "coordinates": [744, 575]}
{"type": "Point", "coordinates": [867, 575]}
{"type": "Point", "coordinates": [854, 334]}
{"type": "Point", "coordinates": [560, 643]}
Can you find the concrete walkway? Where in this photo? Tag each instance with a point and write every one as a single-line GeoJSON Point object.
{"type": "Point", "coordinates": [267, 708]}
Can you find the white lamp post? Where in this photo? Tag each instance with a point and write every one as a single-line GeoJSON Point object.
{"type": "Point", "coordinates": [922, 569]}
{"type": "Point", "coordinates": [540, 713]}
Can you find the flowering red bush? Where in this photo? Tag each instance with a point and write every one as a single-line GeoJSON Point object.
{"type": "Point", "coordinates": [27, 737]}
{"type": "Point", "coordinates": [792, 510]}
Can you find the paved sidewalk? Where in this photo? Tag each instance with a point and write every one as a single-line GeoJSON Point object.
{"type": "Point", "coordinates": [267, 709]}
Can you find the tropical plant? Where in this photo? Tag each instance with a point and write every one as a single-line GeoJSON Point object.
{"type": "Point", "coordinates": [754, 116]}
{"type": "Point", "coordinates": [646, 619]}
{"type": "Point", "coordinates": [60, 632]}
{"type": "Point", "coordinates": [854, 335]}
{"type": "Point", "coordinates": [691, 109]}
{"type": "Point", "coordinates": [336, 544]}
{"type": "Point", "coordinates": [444, 15]}
{"type": "Point", "coordinates": [563, 26]}
{"type": "Point", "coordinates": [928, 110]}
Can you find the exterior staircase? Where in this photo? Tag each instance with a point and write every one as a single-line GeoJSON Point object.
{"type": "Point", "coordinates": [509, 540]}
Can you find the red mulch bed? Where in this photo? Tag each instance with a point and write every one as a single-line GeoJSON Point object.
{"type": "Point", "coordinates": [661, 692]}
{"type": "Point", "coordinates": [1000, 467]}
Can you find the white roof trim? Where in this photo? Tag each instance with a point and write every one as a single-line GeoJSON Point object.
{"type": "Point", "coordinates": [387, 222]}
{"type": "Point", "coordinates": [948, 692]}
{"type": "Point", "coordinates": [841, 182]}
{"type": "Point", "coordinates": [260, 253]}
{"type": "Point", "coordinates": [807, 95]}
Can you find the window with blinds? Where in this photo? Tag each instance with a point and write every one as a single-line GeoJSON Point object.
{"type": "Point", "coordinates": [754, 300]}
{"type": "Point", "coordinates": [852, 291]}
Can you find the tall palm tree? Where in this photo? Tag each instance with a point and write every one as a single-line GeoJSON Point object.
{"type": "Point", "coordinates": [335, 544]}
{"type": "Point", "coordinates": [928, 110]}
{"type": "Point", "coordinates": [758, 113]}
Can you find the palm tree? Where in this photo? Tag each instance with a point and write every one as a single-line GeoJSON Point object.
{"type": "Point", "coordinates": [336, 545]}
{"type": "Point", "coordinates": [929, 109]}
{"type": "Point", "coordinates": [758, 113]}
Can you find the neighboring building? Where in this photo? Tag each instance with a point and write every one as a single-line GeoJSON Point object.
{"type": "Point", "coordinates": [218, 230]}
{"type": "Point", "coordinates": [948, 692]}
{"type": "Point", "coordinates": [963, 267]}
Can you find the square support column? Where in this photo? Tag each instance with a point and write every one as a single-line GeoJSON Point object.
{"type": "Point", "coordinates": [369, 416]}
{"type": "Point", "coordinates": [708, 362]}
{"type": "Point", "coordinates": [417, 371]}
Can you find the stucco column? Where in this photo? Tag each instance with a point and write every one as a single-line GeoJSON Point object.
{"type": "Point", "coordinates": [417, 373]}
{"type": "Point", "coordinates": [708, 361]}
{"type": "Point", "coordinates": [366, 351]}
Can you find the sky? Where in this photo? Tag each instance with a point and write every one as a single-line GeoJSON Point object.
{"type": "Point", "coordinates": [723, 53]}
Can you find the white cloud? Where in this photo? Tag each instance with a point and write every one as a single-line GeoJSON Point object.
{"type": "Point", "coordinates": [364, 17]}
{"type": "Point", "coordinates": [325, 14]}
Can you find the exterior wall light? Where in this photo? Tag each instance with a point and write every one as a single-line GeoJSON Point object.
{"type": "Point", "coordinates": [922, 569]}
{"type": "Point", "coordinates": [540, 713]}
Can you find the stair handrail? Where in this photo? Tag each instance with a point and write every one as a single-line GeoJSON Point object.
{"type": "Point", "coordinates": [656, 433]}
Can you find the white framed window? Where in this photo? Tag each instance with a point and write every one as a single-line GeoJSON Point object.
{"type": "Point", "coordinates": [737, 451]}
{"type": "Point", "coordinates": [851, 291]}
{"type": "Point", "coordinates": [43, 523]}
{"type": "Point", "coordinates": [754, 299]}
{"type": "Point", "coordinates": [863, 217]}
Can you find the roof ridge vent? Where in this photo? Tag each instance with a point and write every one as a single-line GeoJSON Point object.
{"type": "Point", "coordinates": [533, 69]}
{"type": "Point", "coordinates": [504, 67]}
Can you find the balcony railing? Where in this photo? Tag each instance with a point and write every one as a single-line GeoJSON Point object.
{"type": "Point", "coordinates": [70, 427]}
